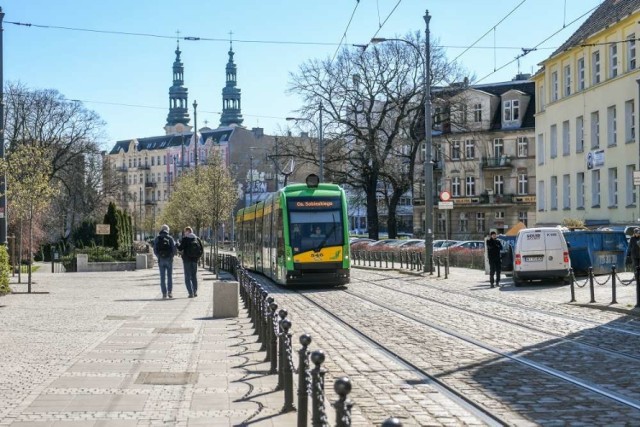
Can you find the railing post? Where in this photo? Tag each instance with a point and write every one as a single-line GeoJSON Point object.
{"type": "Point", "coordinates": [591, 287]}
{"type": "Point", "coordinates": [438, 266]}
{"type": "Point", "coordinates": [319, 418]}
{"type": "Point", "coordinates": [303, 380]}
{"type": "Point", "coordinates": [446, 268]}
{"type": "Point", "coordinates": [573, 288]}
{"type": "Point", "coordinates": [274, 339]}
{"type": "Point", "coordinates": [613, 284]}
{"type": "Point", "coordinates": [343, 405]}
{"type": "Point", "coordinates": [262, 336]}
{"type": "Point", "coordinates": [281, 350]}
{"type": "Point", "coordinates": [288, 368]}
{"type": "Point", "coordinates": [637, 273]}
{"type": "Point", "coordinates": [268, 328]}
{"type": "Point", "coordinates": [393, 260]}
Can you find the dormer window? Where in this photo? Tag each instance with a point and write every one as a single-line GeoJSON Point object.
{"type": "Point", "coordinates": [511, 110]}
{"type": "Point", "coordinates": [477, 113]}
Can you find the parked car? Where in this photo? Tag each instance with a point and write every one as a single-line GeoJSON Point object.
{"type": "Point", "coordinates": [466, 246]}
{"type": "Point", "coordinates": [361, 243]}
{"type": "Point", "coordinates": [385, 245]}
{"type": "Point", "coordinates": [439, 244]}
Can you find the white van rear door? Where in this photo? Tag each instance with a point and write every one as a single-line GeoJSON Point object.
{"type": "Point", "coordinates": [555, 250]}
{"type": "Point", "coordinates": [533, 250]}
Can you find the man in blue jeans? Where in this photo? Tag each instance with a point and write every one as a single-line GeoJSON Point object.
{"type": "Point", "coordinates": [164, 248]}
{"type": "Point", "coordinates": [191, 248]}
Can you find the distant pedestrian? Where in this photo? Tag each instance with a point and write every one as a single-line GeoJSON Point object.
{"type": "Point", "coordinates": [164, 247]}
{"type": "Point", "coordinates": [494, 249]}
{"type": "Point", "coordinates": [633, 251]}
{"type": "Point", "coordinates": [191, 248]}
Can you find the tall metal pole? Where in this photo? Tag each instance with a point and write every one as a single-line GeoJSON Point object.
{"type": "Point", "coordinates": [3, 177]}
{"type": "Point", "coordinates": [428, 164]}
{"type": "Point", "coordinates": [321, 146]}
{"type": "Point", "coordinates": [251, 179]}
{"type": "Point", "coordinates": [195, 136]}
{"type": "Point", "coordinates": [637, 137]}
{"type": "Point", "coordinates": [275, 166]}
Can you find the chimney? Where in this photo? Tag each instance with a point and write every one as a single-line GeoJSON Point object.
{"type": "Point", "coordinates": [521, 77]}
{"type": "Point", "coordinates": [258, 132]}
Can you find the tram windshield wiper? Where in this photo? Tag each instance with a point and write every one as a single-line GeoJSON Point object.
{"type": "Point", "coordinates": [331, 232]}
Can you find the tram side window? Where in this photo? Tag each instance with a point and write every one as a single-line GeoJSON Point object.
{"type": "Point", "coordinates": [279, 239]}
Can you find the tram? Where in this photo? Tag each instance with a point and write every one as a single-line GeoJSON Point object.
{"type": "Point", "coordinates": [298, 235]}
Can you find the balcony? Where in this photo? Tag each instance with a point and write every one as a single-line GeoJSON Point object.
{"type": "Point", "coordinates": [502, 162]}
{"type": "Point", "coordinates": [497, 198]}
{"type": "Point", "coordinates": [150, 202]}
{"type": "Point", "coordinates": [121, 169]}
{"type": "Point", "coordinates": [150, 184]}
{"type": "Point", "coordinates": [144, 167]}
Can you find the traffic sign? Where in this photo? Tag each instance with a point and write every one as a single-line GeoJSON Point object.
{"type": "Point", "coordinates": [445, 205]}
{"type": "Point", "coordinates": [445, 196]}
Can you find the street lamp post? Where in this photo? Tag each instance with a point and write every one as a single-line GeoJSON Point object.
{"type": "Point", "coordinates": [320, 139]}
{"type": "Point", "coordinates": [428, 163]}
{"type": "Point", "coordinates": [195, 136]}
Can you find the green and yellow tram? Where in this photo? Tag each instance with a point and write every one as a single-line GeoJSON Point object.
{"type": "Point", "coordinates": [298, 235]}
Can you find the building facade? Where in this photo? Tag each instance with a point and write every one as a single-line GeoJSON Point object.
{"type": "Point", "coordinates": [586, 135]}
{"type": "Point", "coordinates": [482, 140]}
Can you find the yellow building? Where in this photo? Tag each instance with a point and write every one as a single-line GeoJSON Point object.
{"type": "Point", "coordinates": [586, 122]}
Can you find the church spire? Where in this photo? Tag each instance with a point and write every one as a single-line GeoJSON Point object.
{"type": "Point", "coordinates": [231, 112]}
{"type": "Point", "coordinates": [178, 94]}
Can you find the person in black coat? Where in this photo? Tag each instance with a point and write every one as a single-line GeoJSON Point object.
{"type": "Point", "coordinates": [494, 249]}
{"type": "Point", "coordinates": [633, 251]}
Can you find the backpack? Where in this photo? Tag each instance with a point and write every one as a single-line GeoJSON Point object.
{"type": "Point", "coordinates": [163, 246]}
{"type": "Point", "coordinates": [193, 249]}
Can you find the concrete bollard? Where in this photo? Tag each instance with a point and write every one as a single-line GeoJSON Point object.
{"type": "Point", "coordinates": [141, 262]}
{"type": "Point", "coordinates": [82, 261]}
{"type": "Point", "coordinates": [226, 296]}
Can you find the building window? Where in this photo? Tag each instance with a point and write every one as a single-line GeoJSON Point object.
{"type": "Point", "coordinates": [499, 215]}
{"type": "Point", "coordinates": [613, 187]}
{"type": "Point", "coordinates": [511, 110]}
{"type": "Point", "coordinates": [442, 223]}
{"type": "Point", "coordinates": [595, 188]}
{"type": "Point", "coordinates": [630, 121]}
{"type": "Point", "coordinates": [469, 149]}
{"type": "Point", "coordinates": [498, 147]}
{"type": "Point", "coordinates": [540, 149]}
{"type": "Point", "coordinates": [595, 67]}
{"type": "Point", "coordinates": [540, 196]}
{"type": "Point", "coordinates": [554, 86]}
{"type": "Point", "coordinates": [455, 186]}
{"type": "Point", "coordinates": [523, 183]}
{"type": "Point", "coordinates": [580, 190]}
{"type": "Point", "coordinates": [553, 136]}
{"type": "Point", "coordinates": [612, 126]}
{"type": "Point", "coordinates": [581, 74]}
{"type": "Point", "coordinates": [129, 162]}
{"type": "Point", "coordinates": [579, 134]}
{"type": "Point", "coordinates": [566, 141]}
{"type": "Point", "coordinates": [567, 80]}
{"type": "Point", "coordinates": [566, 191]}
{"type": "Point", "coordinates": [481, 222]}
{"type": "Point", "coordinates": [464, 223]}
{"type": "Point", "coordinates": [498, 185]}
{"type": "Point", "coordinates": [470, 186]}
{"type": "Point", "coordinates": [541, 95]}
{"type": "Point", "coordinates": [477, 113]}
{"type": "Point", "coordinates": [613, 60]}
{"type": "Point", "coordinates": [554, 193]}
{"type": "Point", "coordinates": [153, 161]}
{"type": "Point", "coordinates": [630, 188]}
{"type": "Point", "coordinates": [523, 217]}
{"type": "Point", "coordinates": [523, 146]}
{"type": "Point", "coordinates": [631, 52]}
{"type": "Point", "coordinates": [135, 162]}
{"type": "Point", "coordinates": [595, 130]}
{"type": "Point", "coordinates": [455, 150]}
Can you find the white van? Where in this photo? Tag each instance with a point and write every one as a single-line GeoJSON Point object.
{"type": "Point", "coordinates": [540, 253]}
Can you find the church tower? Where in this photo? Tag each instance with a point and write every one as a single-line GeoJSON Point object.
{"type": "Point", "coordinates": [178, 118]}
{"type": "Point", "coordinates": [231, 96]}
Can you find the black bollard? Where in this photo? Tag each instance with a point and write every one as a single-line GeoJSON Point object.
{"type": "Point", "coordinates": [319, 416]}
{"type": "Point", "coordinates": [343, 405]}
{"type": "Point", "coordinates": [438, 266]}
{"type": "Point", "coordinates": [613, 284]}
{"type": "Point", "coordinates": [274, 339]}
{"type": "Point", "coordinates": [281, 350]}
{"type": "Point", "coordinates": [446, 268]}
{"type": "Point", "coordinates": [303, 380]}
{"type": "Point", "coordinates": [573, 288]}
{"type": "Point", "coordinates": [392, 422]}
{"type": "Point", "coordinates": [268, 328]}
{"type": "Point", "coordinates": [638, 286]}
{"type": "Point", "coordinates": [288, 368]}
{"type": "Point", "coordinates": [262, 336]}
{"type": "Point", "coordinates": [591, 288]}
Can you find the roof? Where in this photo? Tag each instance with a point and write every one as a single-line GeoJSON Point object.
{"type": "Point", "coordinates": [175, 140]}
{"type": "Point", "coordinates": [609, 12]}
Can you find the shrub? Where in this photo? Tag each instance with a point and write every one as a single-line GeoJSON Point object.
{"type": "Point", "coordinates": [5, 270]}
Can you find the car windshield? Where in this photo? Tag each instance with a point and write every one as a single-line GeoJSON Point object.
{"type": "Point", "coordinates": [315, 223]}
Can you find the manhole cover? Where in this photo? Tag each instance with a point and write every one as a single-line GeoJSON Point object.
{"type": "Point", "coordinates": [122, 317]}
{"type": "Point", "coordinates": [173, 330]}
{"type": "Point", "coordinates": [167, 378]}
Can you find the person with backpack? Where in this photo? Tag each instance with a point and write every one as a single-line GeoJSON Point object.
{"type": "Point", "coordinates": [191, 248]}
{"type": "Point", "coordinates": [164, 248]}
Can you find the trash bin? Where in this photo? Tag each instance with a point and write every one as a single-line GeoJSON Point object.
{"type": "Point", "coordinates": [599, 249]}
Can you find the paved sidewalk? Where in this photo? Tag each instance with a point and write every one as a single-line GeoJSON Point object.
{"type": "Point", "coordinates": [104, 349]}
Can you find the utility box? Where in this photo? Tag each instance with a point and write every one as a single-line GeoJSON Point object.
{"type": "Point", "coordinates": [141, 262]}
{"type": "Point", "coordinates": [226, 299]}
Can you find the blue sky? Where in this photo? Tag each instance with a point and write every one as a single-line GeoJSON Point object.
{"type": "Point", "coordinates": [126, 78]}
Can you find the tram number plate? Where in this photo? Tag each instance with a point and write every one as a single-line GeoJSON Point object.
{"type": "Point", "coordinates": [537, 258]}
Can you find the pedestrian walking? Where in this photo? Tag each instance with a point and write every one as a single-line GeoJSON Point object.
{"type": "Point", "coordinates": [633, 251]}
{"type": "Point", "coordinates": [164, 248]}
{"type": "Point", "coordinates": [191, 248]}
{"type": "Point", "coordinates": [494, 249]}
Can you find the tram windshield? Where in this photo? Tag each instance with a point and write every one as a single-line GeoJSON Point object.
{"type": "Point", "coordinates": [315, 223]}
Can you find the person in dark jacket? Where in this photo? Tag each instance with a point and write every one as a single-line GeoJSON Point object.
{"type": "Point", "coordinates": [633, 251]}
{"type": "Point", "coordinates": [494, 249]}
{"type": "Point", "coordinates": [191, 248]}
{"type": "Point", "coordinates": [165, 249]}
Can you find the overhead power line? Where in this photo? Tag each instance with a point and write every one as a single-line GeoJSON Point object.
{"type": "Point", "coordinates": [344, 34]}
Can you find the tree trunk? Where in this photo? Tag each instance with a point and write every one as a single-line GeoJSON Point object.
{"type": "Point", "coordinates": [392, 220]}
{"type": "Point", "coordinates": [372, 209]}
{"type": "Point", "coordinates": [30, 251]}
